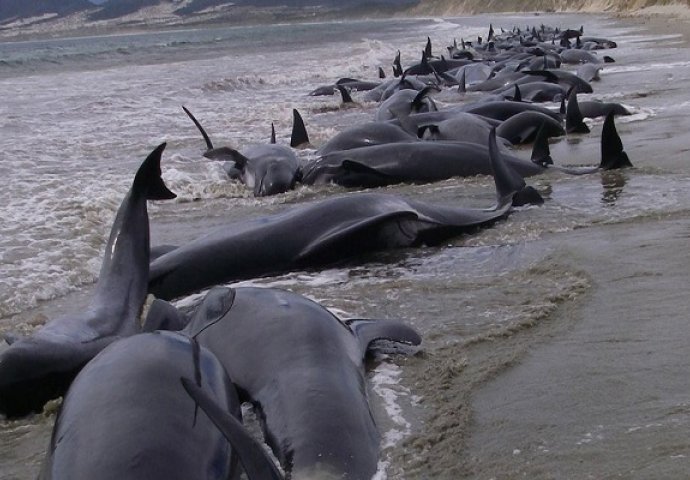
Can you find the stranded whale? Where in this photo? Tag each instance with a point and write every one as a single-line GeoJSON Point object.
{"type": "Point", "coordinates": [326, 232]}
{"type": "Point", "coordinates": [304, 372]}
{"type": "Point", "coordinates": [40, 367]}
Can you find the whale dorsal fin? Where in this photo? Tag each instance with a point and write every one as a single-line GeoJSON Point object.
{"type": "Point", "coordinates": [256, 463]}
{"type": "Point", "coordinates": [397, 66]}
{"type": "Point", "coordinates": [462, 84]}
{"type": "Point", "coordinates": [273, 134]}
{"type": "Point", "coordinates": [510, 186]}
{"type": "Point", "coordinates": [216, 304]}
{"type": "Point", "coordinates": [541, 153]}
{"type": "Point", "coordinates": [612, 154]}
{"type": "Point", "coordinates": [148, 178]}
{"type": "Point", "coordinates": [418, 101]}
{"type": "Point", "coordinates": [517, 96]}
{"type": "Point", "coordinates": [369, 331]}
{"type": "Point", "coordinates": [574, 122]}
{"type": "Point", "coordinates": [299, 137]}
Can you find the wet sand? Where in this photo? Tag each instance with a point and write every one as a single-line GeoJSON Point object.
{"type": "Point", "coordinates": [608, 396]}
{"type": "Point", "coordinates": [596, 387]}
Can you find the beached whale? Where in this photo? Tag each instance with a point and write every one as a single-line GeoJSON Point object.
{"type": "Point", "coordinates": [424, 162]}
{"type": "Point", "coordinates": [418, 162]}
{"type": "Point", "coordinates": [325, 232]}
{"type": "Point", "coordinates": [365, 134]}
{"type": "Point", "coordinates": [40, 367]}
{"type": "Point", "coordinates": [267, 169]}
{"type": "Point", "coordinates": [127, 416]}
{"type": "Point", "coordinates": [303, 371]}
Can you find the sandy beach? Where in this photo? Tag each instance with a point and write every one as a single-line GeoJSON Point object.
{"type": "Point", "coordinates": [555, 345]}
{"type": "Point", "coordinates": [596, 387]}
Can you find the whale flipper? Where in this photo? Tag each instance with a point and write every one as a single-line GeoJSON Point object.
{"type": "Point", "coordinates": [612, 154]}
{"type": "Point", "coordinates": [209, 145]}
{"type": "Point", "coordinates": [11, 337]}
{"type": "Point", "coordinates": [338, 240]}
{"type": "Point", "coordinates": [217, 303]}
{"type": "Point", "coordinates": [345, 94]}
{"type": "Point", "coordinates": [221, 153]}
{"type": "Point", "coordinates": [369, 331]}
{"type": "Point", "coordinates": [239, 159]}
{"type": "Point", "coordinates": [256, 463]}
{"type": "Point", "coordinates": [164, 316]}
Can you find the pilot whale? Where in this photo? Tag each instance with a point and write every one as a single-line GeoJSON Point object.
{"type": "Point", "coordinates": [326, 232]}
{"type": "Point", "coordinates": [304, 372]}
{"type": "Point", "coordinates": [40, 367]}
{"type": "Point", "coordinates": [126, 415]}
{"type": "Point", "coordinates": [267, 169]}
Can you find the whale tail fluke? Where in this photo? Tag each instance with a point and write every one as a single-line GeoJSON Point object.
{"type": "Point", "coordinates": [255, 461]}
{"type": "Point", "coordinates": [510, 186]}
{"type": "Point", "coordinates": [299, 137]}
{"type": "Point", "coordinates": [612, 154]}
{"type": "Point", "coordinates": [209, 145]}
{"type": "Point", "coordinates": [148, 178]}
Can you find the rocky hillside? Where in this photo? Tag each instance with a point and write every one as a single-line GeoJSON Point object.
{"type": "Point", "coordinates": [16, 9]}
{"type": "Point", "coordinates": [459, 7]}
{"type": "Point", "coordinates": [11, 10]}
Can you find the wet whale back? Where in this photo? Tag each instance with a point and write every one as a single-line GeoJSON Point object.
{"type": "Point", "coordinates": [128, 408]}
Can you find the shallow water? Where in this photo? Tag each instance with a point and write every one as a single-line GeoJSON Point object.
{"type": "Point", "coordinates": [78, 116]}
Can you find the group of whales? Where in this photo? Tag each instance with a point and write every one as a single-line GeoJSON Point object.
{"type": "Point", "coordinates": [133, 382]}
{"type": "Point", "coordinates": [411, 140]}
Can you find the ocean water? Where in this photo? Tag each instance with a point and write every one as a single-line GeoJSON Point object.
{"type": "Point", "coordinates": [79, 115]}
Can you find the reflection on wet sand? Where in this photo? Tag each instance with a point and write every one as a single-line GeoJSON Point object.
{"type": "Point", "coordinates": [612, 183]}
